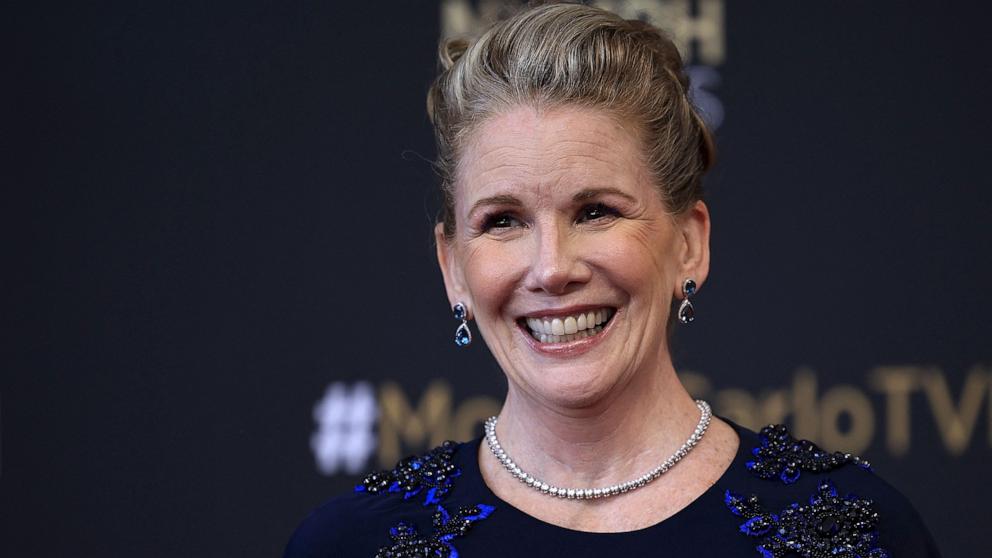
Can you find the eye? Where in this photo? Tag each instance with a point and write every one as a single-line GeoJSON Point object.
{"type": "Point", "coordinates": [595, 212]}
{"type": "Point", "coordinates": [500, 221]}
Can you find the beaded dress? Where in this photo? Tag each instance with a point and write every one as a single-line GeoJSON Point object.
{"type": "Point", "coordinates": [781, 497]}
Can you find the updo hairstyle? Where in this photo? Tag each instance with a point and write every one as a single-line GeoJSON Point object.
{"type": "Point", "coordinates": [573, 55]}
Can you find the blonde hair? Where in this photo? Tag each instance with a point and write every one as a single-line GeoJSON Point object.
{"type": "Point", "coordinates": [571, 54]}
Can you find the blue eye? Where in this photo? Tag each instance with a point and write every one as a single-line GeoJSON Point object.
{"type": "Point", "coordinates": [500, 221]}
{"type": "Point", "coordinates": [595, 211]}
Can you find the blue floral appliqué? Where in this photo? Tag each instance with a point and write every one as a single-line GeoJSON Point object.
{"type": "Point", "coordinates": [829, 526]}
{"type": "Point", "coordinates": [409, 543]}
{"type": "Point", "coordinates": [430, 473]}
{"type": "Point", "coordinates": [782, 456]}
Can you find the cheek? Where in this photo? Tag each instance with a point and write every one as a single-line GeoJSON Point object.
{"type": "Point", "coordinates": [492, 272]}
{"type": "Point", "coordinates": [637, 256]}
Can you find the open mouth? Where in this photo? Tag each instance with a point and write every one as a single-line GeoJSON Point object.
{"type": "Point", "coordinates": [562, 329]}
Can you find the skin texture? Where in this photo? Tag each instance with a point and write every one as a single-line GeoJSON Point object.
{"type": "Point", "coordinates": [556, 210]}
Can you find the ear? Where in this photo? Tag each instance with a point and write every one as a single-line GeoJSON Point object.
{"type": "Point", "coordinates": [454, 282]}
{"type": "Point", "coordinates": [694, 260]}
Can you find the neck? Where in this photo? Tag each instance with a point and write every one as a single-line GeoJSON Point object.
{"type": "Point", "coordinates": [618, 438]}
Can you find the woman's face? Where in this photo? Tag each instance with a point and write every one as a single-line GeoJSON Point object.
{"type": "Point", "coordinates": [565, 253]}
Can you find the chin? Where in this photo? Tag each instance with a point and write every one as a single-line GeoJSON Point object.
{"type": "Point", "coordinates": [573, 387]}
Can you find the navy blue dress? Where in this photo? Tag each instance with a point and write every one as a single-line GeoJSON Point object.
{"type": "Point", "coordinates": [780, 497]}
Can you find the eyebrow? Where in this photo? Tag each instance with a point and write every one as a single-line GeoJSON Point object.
{"type": "Point", "coordinates": [584, 195]}
{"type": "Point", "coordinates": [590, 193]}
{"type": "Point", "coordinates": [501, 199]}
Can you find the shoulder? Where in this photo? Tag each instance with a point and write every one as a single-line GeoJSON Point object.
{"type": "Point", "coordinates": [792, 492]}
{"type": "Point", "coordinates": [338, 524]}
{"type": "Point", "coordinates": [384, 507]}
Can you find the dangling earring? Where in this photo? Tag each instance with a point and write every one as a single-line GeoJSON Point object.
{"type": "Point", "coordinates": [463, 335]}
{"type": "Point", "coordinates": [686, 312]}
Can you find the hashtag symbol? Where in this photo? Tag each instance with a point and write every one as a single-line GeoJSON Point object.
{"type": "Point", "coordinates": [345, 417]}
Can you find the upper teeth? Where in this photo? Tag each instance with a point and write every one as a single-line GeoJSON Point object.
{"type": "Point", "coordinates": [569, 324]}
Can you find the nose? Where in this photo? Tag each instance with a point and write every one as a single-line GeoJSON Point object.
{"type": "Point", "coordinates": [557, 264]}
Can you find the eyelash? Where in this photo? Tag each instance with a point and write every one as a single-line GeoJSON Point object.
{"type": "Point", "coordinates": [605, 211]}
{"type": "Point", "coordinates": [491, 221]}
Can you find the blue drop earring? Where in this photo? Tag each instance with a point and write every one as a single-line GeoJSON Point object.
{"type": "Point", "coordinates": [463, 335]}
{"type": "Point", "coordinates": [686, 311]}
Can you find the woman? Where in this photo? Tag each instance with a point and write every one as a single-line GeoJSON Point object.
{"type": "Point", "coordinates": [574, 235]}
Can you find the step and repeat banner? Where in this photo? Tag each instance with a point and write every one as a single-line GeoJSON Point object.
{"type": "Point", "coordinates": [226, 306]}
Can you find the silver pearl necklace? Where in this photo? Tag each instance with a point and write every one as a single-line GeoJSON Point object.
{"type": "Point", "coordinates": [605, 492]}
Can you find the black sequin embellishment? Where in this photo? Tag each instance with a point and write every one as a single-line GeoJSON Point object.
{"type": "Point", "coordinates": [430, 473]}
{"type": "Point", "coordinates": [409, 543]}
{"type": "Point", "coordinates": [829, 526]}
{"type": "Point", "coordinates": [782, 456]}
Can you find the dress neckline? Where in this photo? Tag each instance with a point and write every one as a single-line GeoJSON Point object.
{"type": "Point", "coordinates": [469, 463]}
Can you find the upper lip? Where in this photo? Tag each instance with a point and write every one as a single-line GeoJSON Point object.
{"type": "Point", "coordinates": [566, 311]}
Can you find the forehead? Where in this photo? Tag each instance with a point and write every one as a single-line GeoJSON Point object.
{"type": "Point", "coordinates": [543, 150]}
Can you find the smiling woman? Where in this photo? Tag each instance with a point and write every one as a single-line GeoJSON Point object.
{"type": "Point", "coordinates": [571, 163]}
{"type": "Point", "coordinates": [558, 216]}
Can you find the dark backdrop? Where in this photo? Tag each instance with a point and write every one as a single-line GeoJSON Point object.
{"type": "Point", "coordinates": [219, 287]}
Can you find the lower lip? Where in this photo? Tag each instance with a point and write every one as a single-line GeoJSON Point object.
{"type": "Point", "coordinates": [568, 348]}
